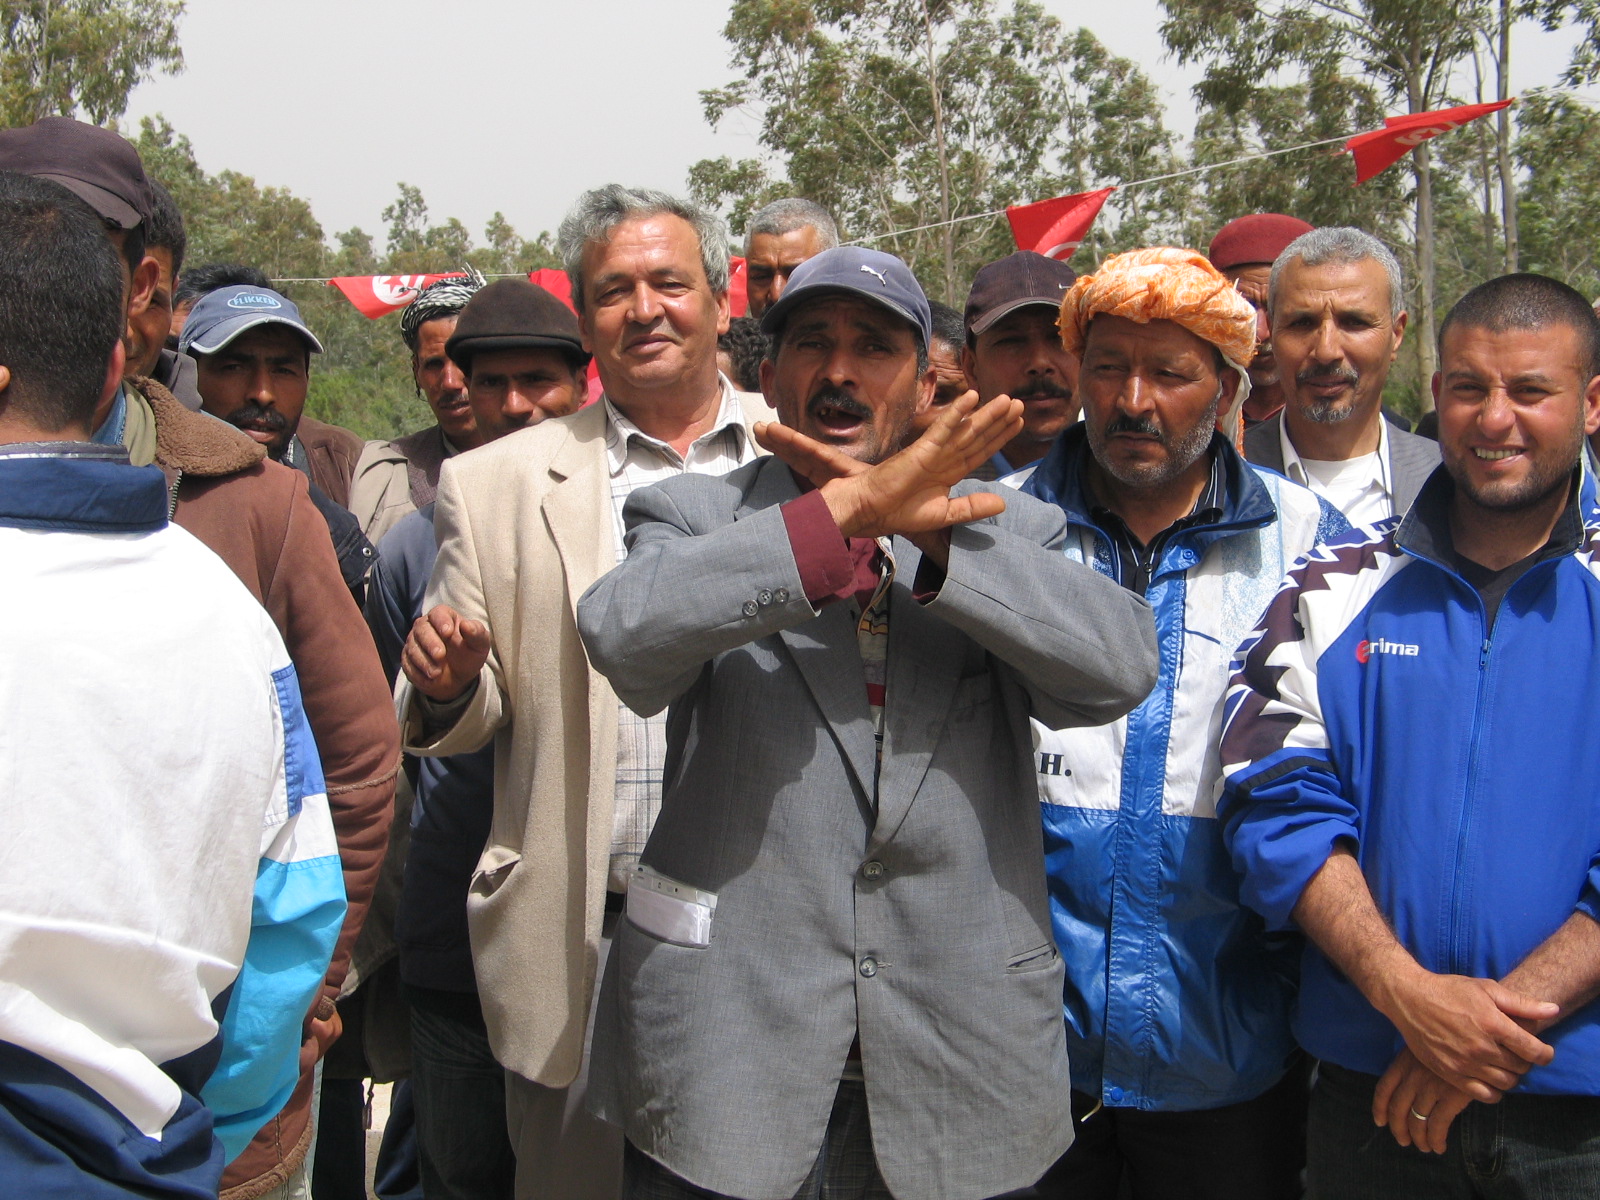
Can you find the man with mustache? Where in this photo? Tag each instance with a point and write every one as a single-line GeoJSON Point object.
{"type": "Point", "coordinates": [1337, 317]}
{"type": "Point", "coordinates": [1244, 250]}
{"type": "Point", "coordinates": [1185, 1079]}
{"type": "Point", "coordinates": [1012, 349]}
{"type": "Point", "coordinates": [254, 355]}
{"type": "Point", "coordinates": [835, 976]}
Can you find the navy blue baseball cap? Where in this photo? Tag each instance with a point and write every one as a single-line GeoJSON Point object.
{"type": "Point", "coordinates": [869, 274]}
{"type": "Point", "coordinates": [220, 316]}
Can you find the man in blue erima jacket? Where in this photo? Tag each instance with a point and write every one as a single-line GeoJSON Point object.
{"type": "Point", "coordinates": [171, 891]}
{"type": "Point", "coordinates": [1410, 782]}
{"type": "Point", "coordinates": [1185, 1076]}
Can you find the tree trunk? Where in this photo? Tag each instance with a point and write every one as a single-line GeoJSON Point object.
{"type": "Point", "coordinates": [948, 232]}
{"type": "Point", "coordinates": [1423, 330]}
{"type": "Point", "coordinates": [1422, 167]}
{"type": "Point", "coordinates": [1508, 178]}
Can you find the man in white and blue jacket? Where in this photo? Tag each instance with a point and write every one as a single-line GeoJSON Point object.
{"type": "Point", "coordinates": [1412, 783]}
{"type": "Point", "coordinates": [171, 890]}
{"type": "Point", "coordinates": [1185, 1077]}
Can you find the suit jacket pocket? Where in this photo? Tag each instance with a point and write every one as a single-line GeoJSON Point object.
{"type": "Point", "coordinates": [494, 868]}
{"type": "Point", "coordinates": [1037, 959]}
{"type": "Point", "coordinates": [669, 910]}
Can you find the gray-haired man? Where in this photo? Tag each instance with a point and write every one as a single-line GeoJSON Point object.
{"type": "Point", "coordinates": [524, 526]}
{"type": "Point", "coordinates": [395, 478]}
{"type": "Point", "coordinates": [1337, 314]}
{"type": "Point", "coordinates": [782, 236]}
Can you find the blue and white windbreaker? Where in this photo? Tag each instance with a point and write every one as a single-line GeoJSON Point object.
{"type": "Point", "coordinates": [170, 891]}
{"type": "Point", "coordinates": [1373, 704]}
{"type": "Point", "coordinates": [1176, 998]}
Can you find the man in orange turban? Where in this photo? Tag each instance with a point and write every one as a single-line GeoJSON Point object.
{"type": "Point", "coordinates": [1185, 1076]}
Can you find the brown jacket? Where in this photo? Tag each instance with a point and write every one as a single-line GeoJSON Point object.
{"type": "Point", "coordinates": [258, 517]}
{"type": "Point", "coordinates": [331, 454]}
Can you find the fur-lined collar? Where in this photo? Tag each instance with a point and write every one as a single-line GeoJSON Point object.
{"type": "Point", "coordinates": [195, 443]}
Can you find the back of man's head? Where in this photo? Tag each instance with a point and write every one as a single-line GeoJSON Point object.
{"type": "Point", "coordinates": [165, 230]}
{"type": "Point", "coordinates": [787, 215]}
{"type": "Point", "coordinates": [1527, 301]}
{"type": "Point", "coordinates": [61, 313]}
{"type": "Point", "coordinates": [599, 211]}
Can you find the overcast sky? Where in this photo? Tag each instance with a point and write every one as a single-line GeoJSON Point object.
{"type": "Point", "coordinates": [490, 104]}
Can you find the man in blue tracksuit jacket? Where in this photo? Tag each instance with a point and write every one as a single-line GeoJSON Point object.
{"type": "Point", "coordinates": [1411, 783]}
{"type": "Point", "coordinates": [1177, 1002]}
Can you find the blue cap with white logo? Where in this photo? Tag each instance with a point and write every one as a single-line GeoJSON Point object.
{"type": "Point", "coordinates": [220, 316]}
{"type": "Point", "coordinates": [869, 274]}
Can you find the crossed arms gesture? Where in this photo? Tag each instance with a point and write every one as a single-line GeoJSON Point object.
{"type": "Point", "coordinates": [907, 494]}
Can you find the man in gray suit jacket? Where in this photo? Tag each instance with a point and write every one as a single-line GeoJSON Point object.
{"type": "Point", "coordinates": [836, 972]}
{"type": "Point", "coordinates": [1335, 304]}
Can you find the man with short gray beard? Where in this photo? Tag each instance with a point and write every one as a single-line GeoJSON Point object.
{"type": "Point", "coordinates": [1337, 317]}
{"type": "Point", "coordinates": [1184, 1075]}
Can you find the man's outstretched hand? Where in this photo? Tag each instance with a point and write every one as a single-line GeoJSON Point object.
{"type": "Point", "coordinates": [444, 653]}
{"type": "Point", "coordinates": [907, 493]}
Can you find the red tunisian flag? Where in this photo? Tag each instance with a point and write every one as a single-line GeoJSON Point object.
{"type": "Point", "coordinates": [375, 295]}
{"type": "Point", "coordinates": [738, 287]}
{"type": "Point", "coordinates": [1380, 149]}
{"type": "Point", "coordinates": [1055, 228]}
{"type": "Point", "coordinates": [554, 282]}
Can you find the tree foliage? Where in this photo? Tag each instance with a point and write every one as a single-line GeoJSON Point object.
{"type": "Point", "coordinates": [902, 113]}
{"type": "Point", "coordinates": [82, 57]}
{"type": "Point", "coordinates": [363, 381]}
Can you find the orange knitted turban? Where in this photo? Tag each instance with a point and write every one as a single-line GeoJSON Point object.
{"type": "Point", "coordinates": [1163, 284]}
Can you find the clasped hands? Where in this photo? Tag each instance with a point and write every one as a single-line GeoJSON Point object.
{"type": "Point", "coordinates": [1466, 1039]}
{"type": "Point", "coordinates": [908, 493]}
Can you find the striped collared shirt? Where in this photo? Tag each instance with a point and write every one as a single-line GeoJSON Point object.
{"type": "Point", "coordinates": [637, 460]}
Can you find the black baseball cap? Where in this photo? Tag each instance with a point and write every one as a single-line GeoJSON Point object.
{"type": "Point", "coordinates": [94, 164]}
{"type": "Point", "coordinates": [1014, 282]}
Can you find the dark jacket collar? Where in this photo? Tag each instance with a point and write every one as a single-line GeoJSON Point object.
{"type": "Point", "coordinates": [79, 487]}
{"type": "Point", "coordinates": [1424, 532]}
{"type": "Point", "coordinates": [1058, 479]}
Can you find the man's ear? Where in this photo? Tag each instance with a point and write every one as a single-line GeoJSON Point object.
{"type": "Point", "coordinates": [1591, 405]}
{"type": "Point", "coordinates": [143, 285]}
{"type": "Point", "coordinates": [925, 389]}
{"type": "Point", "coordinates": [768, 372]}
{"type": "Point", "coordinates": [111, 386]}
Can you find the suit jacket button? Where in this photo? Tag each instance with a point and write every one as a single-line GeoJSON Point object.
{"type": "Point", "coordinates": [763, 597]}
{"type": "Point", "coordinates": [780, 596]}
{"type": "Point", "coordinates": [750, 608]}
{"type": "Point", "coordinates": [869, 967]}
{"type": "Point", "coordinates": [872, 870]}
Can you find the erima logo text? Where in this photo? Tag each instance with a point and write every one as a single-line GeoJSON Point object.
{"type": "Point", "coordinates": [1365, 650]}
{"type": "Point", "coordinates": [254, 300]}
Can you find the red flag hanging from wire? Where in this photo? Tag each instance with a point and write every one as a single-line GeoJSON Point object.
{"type": "Point", "coordinates": [375, 295]}
{"type": "Point", "coordinates": [1380, 149]}
{"type": "Point", "coordinates": [1055, 228]}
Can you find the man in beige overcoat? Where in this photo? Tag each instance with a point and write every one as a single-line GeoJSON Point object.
{"type": "Point", "coordinates": [525, 525]}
